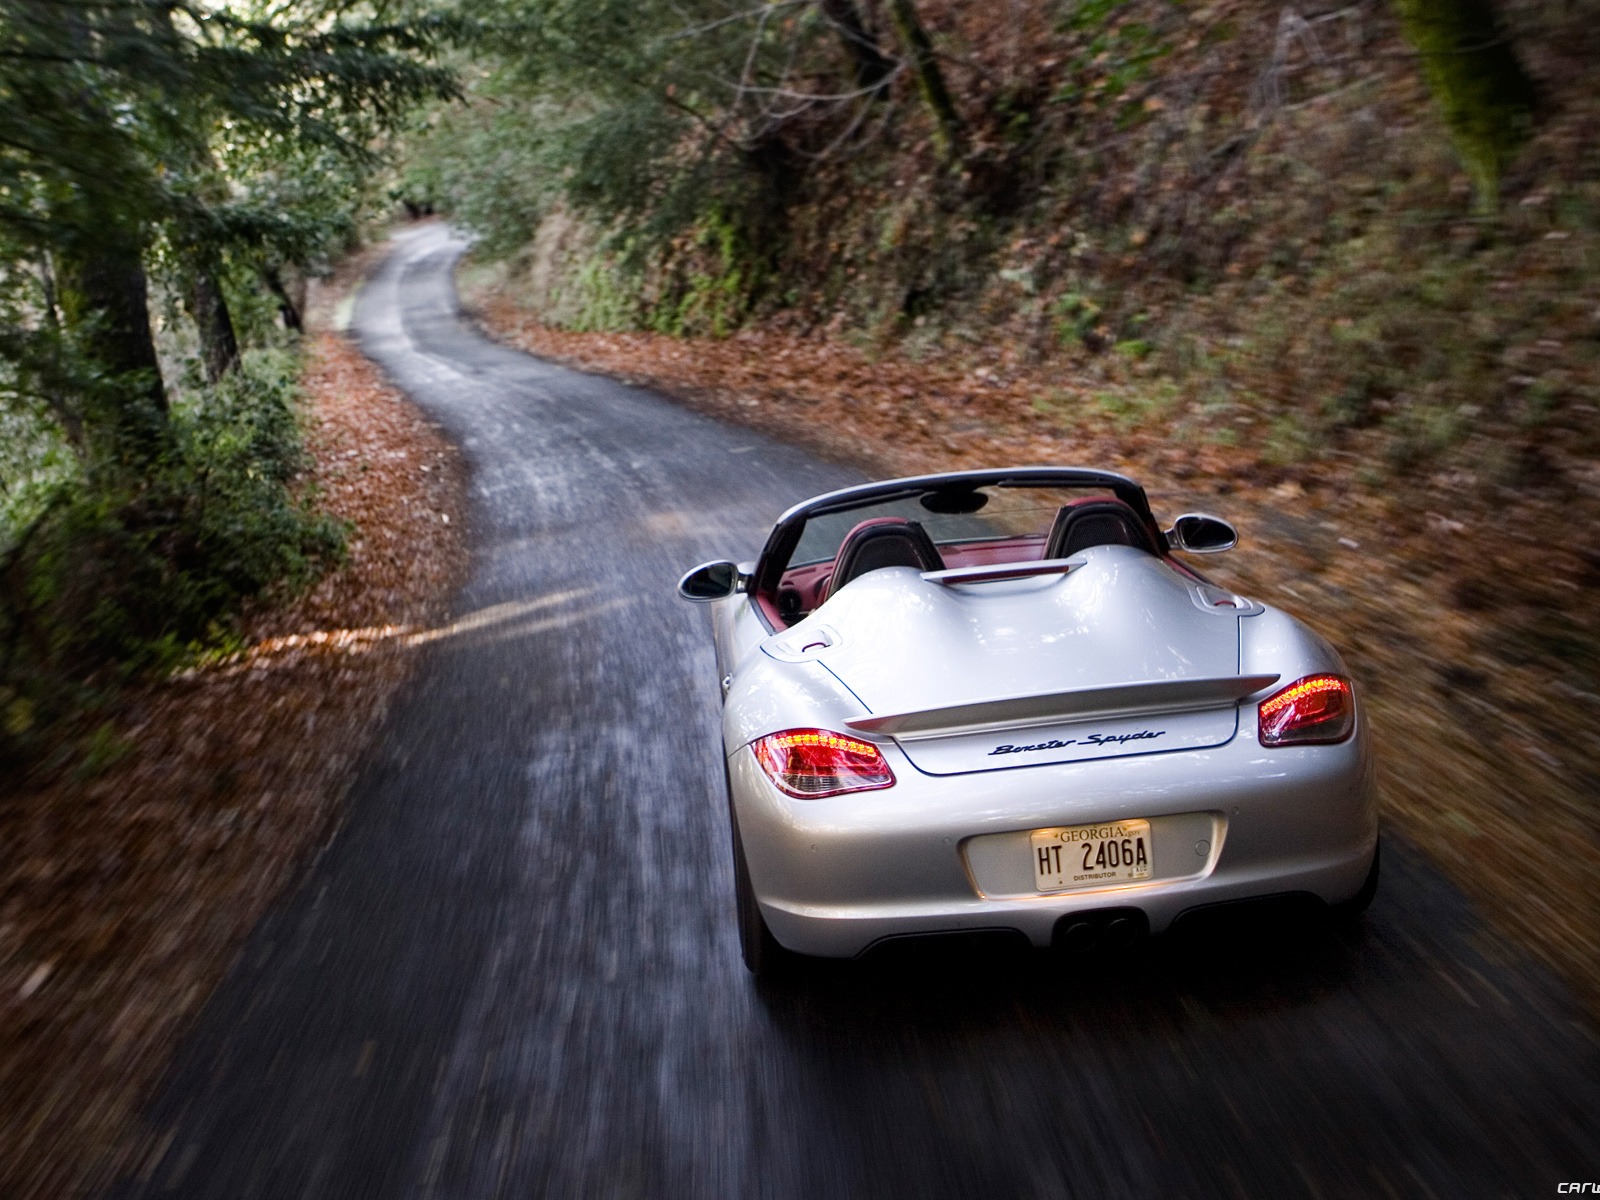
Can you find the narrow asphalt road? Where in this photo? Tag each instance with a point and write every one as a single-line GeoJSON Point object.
{"type": "Point", "coordinates": [514, 973]}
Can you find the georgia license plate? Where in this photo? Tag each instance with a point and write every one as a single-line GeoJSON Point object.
{"type": "Point", "coordinates": [1078, 855]}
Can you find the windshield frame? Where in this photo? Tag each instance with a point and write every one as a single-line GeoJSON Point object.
{"type": "Point", "coordinates": [785, 536]}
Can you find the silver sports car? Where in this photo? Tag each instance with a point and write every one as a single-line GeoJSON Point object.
{"type": "Point", "coordinates": [994, 700]}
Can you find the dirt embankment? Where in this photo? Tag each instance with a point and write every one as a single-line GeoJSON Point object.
{"type": "Point", "coordinates": [124, 892]}
{"type": "Point", "coordinates": [1468, 619]}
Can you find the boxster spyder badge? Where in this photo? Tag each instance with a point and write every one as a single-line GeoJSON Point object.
{"type": "Point", "coordinates": [996, 700]}
{"type": "Point", "coordinates": [1093, 739]}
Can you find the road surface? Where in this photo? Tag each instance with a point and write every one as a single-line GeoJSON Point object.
{"type": "Point", "coordinates": [514, 973]}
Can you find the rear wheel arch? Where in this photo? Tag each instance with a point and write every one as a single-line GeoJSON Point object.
{"type": "Point", "coordinates": [764, 956]}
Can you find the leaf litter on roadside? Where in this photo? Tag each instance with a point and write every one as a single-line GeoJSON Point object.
{"type": "Point", "coordinates": [125, 889]}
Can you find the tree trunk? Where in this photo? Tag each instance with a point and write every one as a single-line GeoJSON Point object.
{"type": "Point", "coordinates": [219, 345]}
{"type": "Point", "coordinates": [947, 133]}
{"type": "Point", "coordinates": [287, 309]}
{"type": "Point", "coordinates": [201, 262]}
{"type": "Point", "coordinates": [872, 67]}
{"type": "Point", "coordinates": [1485, 95]}
{"type": "Point", "coordinates": [101, 287]}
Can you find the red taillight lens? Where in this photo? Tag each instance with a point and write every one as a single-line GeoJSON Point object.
{"type": "Point", "coordinates": [810, 763]}
{"type": "Point", "coordinates": [1318, 708]}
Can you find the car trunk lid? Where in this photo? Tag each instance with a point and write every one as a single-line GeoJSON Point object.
{"type": "Point", "coordinates": [1121, 655]}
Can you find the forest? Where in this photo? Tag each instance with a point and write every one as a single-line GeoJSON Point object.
{"type": "Point", "coordinates": [169, 175]}
{"type": "Point", "coordinates": [1351, 237]}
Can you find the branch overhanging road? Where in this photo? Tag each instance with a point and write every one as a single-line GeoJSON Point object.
{"type": "Point", "coordinates": [514, 972]}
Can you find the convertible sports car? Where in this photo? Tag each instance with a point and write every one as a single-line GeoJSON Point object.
{"type": "Point", "coordinates": [994, 700]}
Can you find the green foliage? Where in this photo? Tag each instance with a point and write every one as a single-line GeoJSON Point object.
{"type": "Point", "coordinates": [589, 103]}
{"type": "Point", "coordinates": [495, 165]}
{"type": "Point", "coordinates": [1135, 408]}
{"type": "Point", "coordinates": [669, 127]}
{"type": "Point", "coordinates": [35, 465]}
{"type": "Point", "coordinates": [131, 112]}
{"type": "Point", "coordinates": [182, 158]}
{"type": "Point", "coordinates": [239, 453]}
{"type": "Point", "coordinates": [702, 285]}
{"type": "Point", "coordinates": [138, 137]}
{"type": "Point", "coordinates": [1134, 348]}
{"type": "Point", "coordinates": [1115, 55]}
{"type": "Point", "coordinates": [600, 296]}
{"type": "Point", "coordinates": [105, 747]}
{"type": "Point", "coordinates": [143, 570]}
{"type": "Point", "coordinates": [720, 280]}
{"type": "Point", "coordinates": [1076, 317]}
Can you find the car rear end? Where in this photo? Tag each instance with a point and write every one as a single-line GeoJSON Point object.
{"type": "Point", "coordinates": [834, 874]}
{"type": "Point", "coordinates": [1242, 769]}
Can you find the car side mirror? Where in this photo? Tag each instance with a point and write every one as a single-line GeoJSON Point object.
{"type": "Point", "coordinates": [711, 581]}
{"type": "Point", "coordinates": [1199, 533]}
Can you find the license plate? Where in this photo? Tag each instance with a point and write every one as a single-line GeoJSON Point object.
{"type": "Point", "coordinates": [1079, 855]}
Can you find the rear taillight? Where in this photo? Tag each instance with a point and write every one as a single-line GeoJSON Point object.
{"type": "Point", "coordinates": [1318, 708]}
{"type": "Point", "coordinates": [810, 763]}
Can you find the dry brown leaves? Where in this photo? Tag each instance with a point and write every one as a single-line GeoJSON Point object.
{"type": "Point", "coordinates": [124, 896]}
{"type": "Point", "coordinates": [1489, 760]}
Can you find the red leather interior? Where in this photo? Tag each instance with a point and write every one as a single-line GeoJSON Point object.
{"type": "Point", "coordinates": [810, 582]}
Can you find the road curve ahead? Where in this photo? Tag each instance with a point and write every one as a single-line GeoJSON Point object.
{"type": "Point", "coordinates": [514, 973]}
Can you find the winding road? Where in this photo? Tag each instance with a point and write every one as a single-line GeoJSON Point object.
{"type": "Point", "coordinates": [514, 973]}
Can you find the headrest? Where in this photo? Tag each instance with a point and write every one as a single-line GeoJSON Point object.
{"type": "Point", "coordinates": [883, 542]}
{"type": "Point", "coordinates": [1097, 521]}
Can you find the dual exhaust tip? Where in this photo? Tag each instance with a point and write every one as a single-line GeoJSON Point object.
{"type": "Point", "coordinates": [1100, 929]}
{"type": "Point", "coordinates": [1241, 922]}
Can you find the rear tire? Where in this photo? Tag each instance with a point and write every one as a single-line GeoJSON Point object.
{"type": "Point", "coordinates": [763, 956]}
{"type": "Point", "coordinates": [1348, 912]}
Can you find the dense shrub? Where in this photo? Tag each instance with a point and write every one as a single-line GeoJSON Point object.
{"type": "Point", "coordinates": [123, 573]}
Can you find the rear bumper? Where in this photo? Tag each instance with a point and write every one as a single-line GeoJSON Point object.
{"type": "Point", "coordinates": [933, 854]}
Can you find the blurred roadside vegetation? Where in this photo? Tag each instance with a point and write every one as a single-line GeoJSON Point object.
{"type": "Point", "coordinates": [170, 177]}
{"type": "Point", "coordinates": [1366, 234]}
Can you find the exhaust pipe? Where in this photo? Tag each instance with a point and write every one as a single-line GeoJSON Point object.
{"type": "Point", "coordinates": [1100, 929]}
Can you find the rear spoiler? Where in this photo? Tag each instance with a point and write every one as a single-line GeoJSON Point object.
{"type": "Point", "coordinates": [1127, 699]}
{"type": "Point", "coordinates": [1016, 570]}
